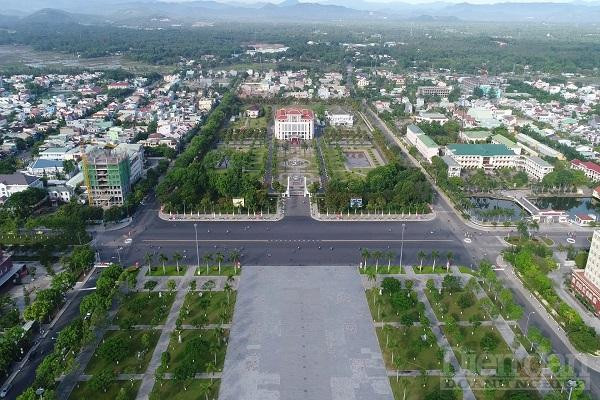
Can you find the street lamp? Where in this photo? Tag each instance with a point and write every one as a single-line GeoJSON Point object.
{"type": "Point", "coordinates": [527, 323]}
{"type": "Point", "coordinates": [197, 251]}
{"type": "Point", "coordinates": [402, 246]}
{"type": "Point", "coordinates": [40, 392]}
{"type": "Point", "coordinates": [572, 385]}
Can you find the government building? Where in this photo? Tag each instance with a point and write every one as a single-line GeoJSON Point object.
{"type": "Point", "coordinates": [294, 124]}
{"type": "Point", "coordinates": [587, 281]}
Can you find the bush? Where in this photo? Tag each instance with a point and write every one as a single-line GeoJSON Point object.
{"type": "Point", "coordinates": [466, 300]}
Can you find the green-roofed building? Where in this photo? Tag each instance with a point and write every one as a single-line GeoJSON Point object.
{"type": "Point", "coordinates": [474, 136]}
{"type": "Point", "coordinates": [488, 156]}
{"type": "Point", "coordinates": [499, 139]}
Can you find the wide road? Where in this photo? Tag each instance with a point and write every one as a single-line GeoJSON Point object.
{"type": "Point", "coordinates": [26, 375]}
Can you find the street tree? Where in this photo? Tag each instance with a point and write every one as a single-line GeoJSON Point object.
{"type": "Point", "coordinates": [207, 257]}
{"type": "Point", "coordinates": [434, 255]}
{"type": "Point", "coordinates": [219, 257]}
{"type": "Point", "coordinates": [177, 257]}
{"type": "Point", "coordinates": [421, 255]}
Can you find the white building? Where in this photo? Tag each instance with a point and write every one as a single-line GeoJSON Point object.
{"type": "Point", "coordinates": [424, 144]}
{"type": "Point", "coordinates": [590, 169]}
{"type": "Point", "coordinates": [587, 281]}
{"type": "Point", "coordinates": [294, 124]}
{"type": "Point", "coordinates": [47, 168]}
{"type": "Point", "coordinates": [487, 156]}
{"type": "Point", "coordinates": [431, 117]}
{"type": "Point", "coordinates": [60, 193]}
{"type": "Point", "coordinates": [340, 119]}
{"type": "Point", "coordinates": [454, 168]}
{"type": "Point", "coordinates": [17, 182]}
{"type": "Point", "coordinates": [535, 167]}
{"type": "Point", "coordinates": [135, 153]}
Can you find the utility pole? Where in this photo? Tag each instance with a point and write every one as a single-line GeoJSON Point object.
{"type": "Point", "coordinates": [402, 246]}
{"type": "Point", "coordinates": [197, 251]}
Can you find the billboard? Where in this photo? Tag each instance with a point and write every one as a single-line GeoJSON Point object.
{"type": "Point", "coordinates": [356, 202]}
{"type": "Point", "coordinates": [238, 202]}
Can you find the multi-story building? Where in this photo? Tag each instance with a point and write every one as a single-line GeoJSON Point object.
{"type": "Point", "coordinates": [107, 177]}
{"type": "Point", "coordinates": [442, 91]}
{"type": "Point", "coordinates": [528, 143]}
{"type": "Point", "coordinates": [17, 182]}
{"type": "Point", "coordinates": [590, 169]}
{"type": "Point", "coordinates": [424, 144]}
{"type": "Point", "coordinates": [294, 124]}
{"type": "Point", "coordinates": [535, 167]}
{"type": "Point", "coordinates": [587, 281]}
{"type": "Point", "coordinates": [454, 168]}
{"type": "Point", "coordinates": [339, 119]}
{"type": "Point", "coordinates": [499, 139]}
{"type": "Point", "coordinates": [431, 117]}
{"type": "Point", "coordinates": [487, 156]}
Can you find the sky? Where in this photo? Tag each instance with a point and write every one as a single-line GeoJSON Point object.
{"type": "Point", "coordinates": [402, 1]}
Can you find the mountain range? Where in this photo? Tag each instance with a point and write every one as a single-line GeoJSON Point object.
{"type": "Point", "coordinates": [139, 12]}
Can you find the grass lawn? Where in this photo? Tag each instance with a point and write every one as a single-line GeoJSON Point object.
{"type": "Point", "coordinates": [383, 269]}
{"type": "Point", "coordinates": [382, 309]}
{"type": "Point", "coordinates": [467, 270]}
{"type": "Point", "coordinates": [201, 308]}
{"type": "Point", "coordinates": [418, 388]}
{"type": "Point", "coordinates": [496, 388]}
{"type": "Point", "coordinates": [470, 351]}
{"type": "Point", "coordinates": [145, 308]}
{"type": "Point", "coordinates": [410, 351]}
{"type": "Point", "coordinates": [226, 270]}
{"type": "Point", "coordinates": [170, 270]}
{"type": "Point", "coordinates": [428, 269]}
{"type": "Point", "coordinates": [449, 306]}
{"type": "Point", "coordinates": [179, 351]}
{"type": "Point", "coordinates": [198, 389]}
{"type": "Point", "coordinates": [83, 390]}
{"type": "Point", "coordinates": [130, 363]}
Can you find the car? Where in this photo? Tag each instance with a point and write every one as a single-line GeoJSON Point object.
{"type": "Point", "coordinates": [4, 392]}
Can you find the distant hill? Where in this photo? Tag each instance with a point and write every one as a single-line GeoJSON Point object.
{"type": "Point", "coordinates": [140, 12]}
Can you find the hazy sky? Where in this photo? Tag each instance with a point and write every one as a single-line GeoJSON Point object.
{"type": "Point", "coordinates": [403, 1]}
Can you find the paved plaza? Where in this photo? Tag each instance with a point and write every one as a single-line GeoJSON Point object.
{"type": "Point", "coordinates": [303, 333]}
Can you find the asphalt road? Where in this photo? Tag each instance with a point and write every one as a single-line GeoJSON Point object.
{"type": "Point", "coordinates": [26, 375]}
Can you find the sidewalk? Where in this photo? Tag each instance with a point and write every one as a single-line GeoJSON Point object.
{"type": "Point", "coordinates": [362, 217]}
{"type": "Point", "coordinates": [588, 360]}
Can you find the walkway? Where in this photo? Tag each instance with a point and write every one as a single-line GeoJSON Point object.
{"type": "Point", "coordinates": [163, 342]}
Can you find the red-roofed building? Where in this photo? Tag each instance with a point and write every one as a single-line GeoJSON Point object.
{"type": "Point", "coordinates": [596, 193]}
{"type": "Point", "coordinates": [294, 124]}
{"type": "Point", "coordinates": [590, 169]}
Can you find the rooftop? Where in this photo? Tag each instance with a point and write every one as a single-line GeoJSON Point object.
{"type": "Point", "coordinates": [450, 161]}
{"type": "Point", "coordinates": [587, 164]}
{"type": "Point", "coordinates": [305, 113]}
{"type": "Point", "coordinates": [427, 141]}
{"type": "Point", "coordinates": [483, 150]}
{"type": "Point", "coordinates": [477, 134]}
{"type": "Point", "coordinates": [17, 178]}
{"type": "Point", "coordinates": [504, 140]}
{"type": "Point", "coordinates": [541, 162]}
{"type": "Point", "coordinates": [42, 163]}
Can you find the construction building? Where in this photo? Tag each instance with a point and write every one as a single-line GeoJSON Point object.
{"type": "Point", "coordinates": [107, 176]}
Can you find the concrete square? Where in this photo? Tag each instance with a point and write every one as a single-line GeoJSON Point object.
{"type": "Point", "coordinates": [303, 333]}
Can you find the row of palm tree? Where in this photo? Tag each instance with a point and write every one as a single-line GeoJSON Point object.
{"type": "Point", "coordinates": [377, 255]}
{"type": "Point", "coordinates": [218, 257]}
{"type": "Point", "coordinates": [434, 255]}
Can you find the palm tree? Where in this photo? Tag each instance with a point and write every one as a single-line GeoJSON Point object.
{"type": "Point", "coordinates": [210, 369]}
{"type": "Point", "coordinates": [219, 257]}
{"type": "Point", "coordinates": [365, 253]}
{"type": "Point", "coordinates": [372, 277]}
{"type": "Point", "coordinates": [163, 259]}
{"type": "Point", "coordinates": [449, 258]}
{"type": "Point", "coordinates": [377, 255]}
{"type": "Point", "coordinates": [421, 255]}
{"type": "Point", "coordinates": [234, 257]}
{"type": "Point", "coordinates": [534, 225]}
{"type": "Point", "coordinates": [227, 289]}
{"type": "Point", "coordinates": [177, 257]}
{"type": "Point", "coordinates": [434, 255]}
{"type": "Point", "coordinates": [148, 258]}
{"type": "Point", "coordinates": [207, 257]}
{"type": "Point", "coordinates": [390, 255]}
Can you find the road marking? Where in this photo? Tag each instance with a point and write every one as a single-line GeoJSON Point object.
{"type": "Point", "coordinates": [298, 240]}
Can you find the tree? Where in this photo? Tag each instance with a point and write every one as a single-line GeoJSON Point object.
{"type": "Point", "coordinates": [102, 380]}
{"type": "Point", "coordinates": [421, 256]}
{"type": "Point", "coordinates": [234, 257]}
{"type": "Point", "coordinates": [523, 229]}
{"type": "Point", "coordinates": [377, 255]}
{"type": "Point", "coordinates": [177, 257]}
{"type": "Point", "coordinates": [365, 254]}
{"type": "Point", "coordinates": [219, 257]}
{"type": "Point", "coordinates": [171, 285]}
{"type": "Point", "coordinates": [434, 255]}
{"type": "Point", "coordinates": [449, 258]}
{"type": "Point", "coordinates": [207, 257]}
{"type": "Point", "coordinates": [390, 256]}
{"type": "Point", "coordinates": [163, 259]}
{"type": "Point", "coordinates": [148, 257]}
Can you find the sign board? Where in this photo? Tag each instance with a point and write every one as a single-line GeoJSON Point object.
{"type": "Point", "coordinates": [356, 203]}
{"type": "Point", "coordinates": [238, 202]}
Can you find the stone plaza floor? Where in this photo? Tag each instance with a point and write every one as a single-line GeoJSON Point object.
{"type": "Point", "coordinates": [303, 333]}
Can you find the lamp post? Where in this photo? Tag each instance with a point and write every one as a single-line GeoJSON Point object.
{"type": "Point", "coordinates": [402, 246]}
{"type": "Point", "coordinates": [572, 385]}
{"type": "Point", "coordinates": [197, 251]}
